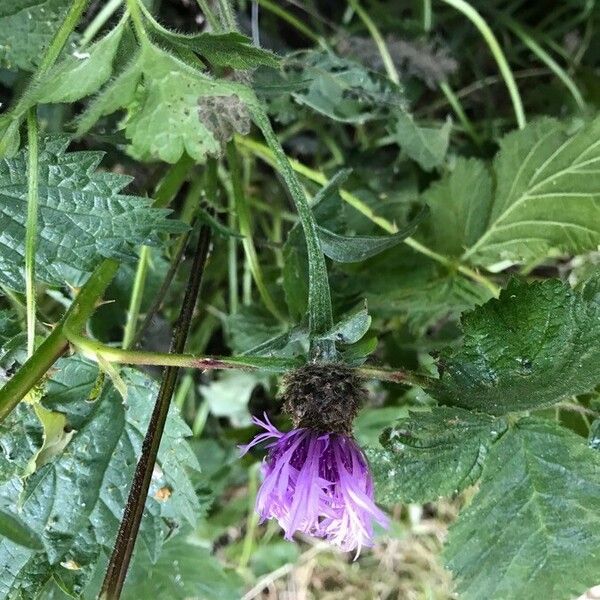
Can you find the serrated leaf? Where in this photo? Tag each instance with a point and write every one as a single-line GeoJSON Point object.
{"type": "Point", "coordinates": [431, 454]}
{"type": "Point", "coordinates": [184, 570]}
{"type": "Point", "coordinates": [533, 529]}
{"type": "Point", "coordinates": [534, 346]}
{"type": "Point", "coordinates": [547, 200]}
{"type": "Point", "coordinates": [459, 208]}
{"type": "Point", "coordinates": [74, 502]}
{"type": "Point", "coordinates": [356, 248]}
{"type": "Point", "coordinates": [172, 108]}
{"type": "Point", "coordinates": [425, 145]}
{"type": "Point", "coordinates": [82, 216]}
{"type": "Point", "coordinates": [26, 29]}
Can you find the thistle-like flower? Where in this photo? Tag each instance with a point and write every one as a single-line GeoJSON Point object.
{"type": "Point", "coordinates": [316, 478]}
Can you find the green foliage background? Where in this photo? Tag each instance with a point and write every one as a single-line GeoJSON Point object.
{"type": "Point", "coordinates": [454, 185]}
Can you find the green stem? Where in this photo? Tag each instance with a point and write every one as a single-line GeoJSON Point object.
{"type": "Point", "coordinates": [320, 313]}
{"type": "Point", "coordinates": [31, 226]}
{"type": "Point", "coordinates": [56, 343]}
{"type": "Point", "coordinates": [227, 16]}
{"type": "Point", "coordinates": [245, 225]}
{"type": "Point", "coordinates": [427, 15]}
{"type": "Point", "coordinates": [531, 43]}
{"type": "Point", "coordinates": [460, 113]}
{"type": "Point", "coordinates": [291, 19]}
{"type": "Point", "coordinates": [208, 13]}
{"type": "Point", "coordinates": [395, 376]}
{"type": "Point", "coordinates": [137, 295]}
{"type": "Point", "coordinates": [232, 259]}
{"type": "Point", "coordinates": [107, 11]}
{"type": "Point", "coordinates": [138, 22]}
{"type": "Point", "coordinates": [378, 39]}
{"type": "Point", "coordinates": [265, 154]}
{"type": "Point", "coordinates": [466, 9]}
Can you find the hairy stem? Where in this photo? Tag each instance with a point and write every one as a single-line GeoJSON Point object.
{"type": "Point", "coordinates": [134, 509]}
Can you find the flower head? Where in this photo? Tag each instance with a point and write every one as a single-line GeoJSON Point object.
{"type": "Point", "coordinates": [319, 484]}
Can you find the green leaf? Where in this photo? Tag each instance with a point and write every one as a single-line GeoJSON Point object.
{"type": "Point", "coordinates": [338, 88]}
{"type": "Point", "coordinates": [74, 502]}
{"type": "Point", "coordinates": [431, 454]}
{"type": "Point", "coordinates": [12, 528]}
{"type": "Point", "coordinates": [356, 248]}
{"type": "Point", "coordinates": [425, 145]}
{"type": "Point", "coordinates": [230, 49]}
{"type": "Point", "coordinates": [172, 108]}
{"type": "Point", "coordinates": [534, 346]}
{"type": "Point", "coordinates": [79, 75]}
{"type": "Point", "coordinates": [9, 326]}
{"type": "Point", "coordinates": [533, 529]}
{"type": "Point", "coordinates": [459, 208]}
{"type": "Point", "coordinates": [547, 199]}
{"type": "Point", "coordinates": [82, 216]}
{"type": "Point", "coordinates": [26, 29]}
{"type": "Point", "coordinates": [350, 329]}
{"type": "Point", "coordinates": [184, 570]}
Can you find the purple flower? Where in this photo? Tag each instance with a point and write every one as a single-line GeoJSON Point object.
{"type": "Point", "coordinates": [317, 483]}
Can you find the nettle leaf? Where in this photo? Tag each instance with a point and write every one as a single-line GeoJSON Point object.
{"type": "Point", "coordinates": [74, 502]}
{"type": "Point", "coordinates": [82, 216]}
{"type": "Point", "coordinates": [459, 206]}
{"type": "Point", "coordinates": [534, 346]}
{"type": "Point", "coordinates": [338, 88]}
{"type": "Point", "coordinates": [356, 248]}
{"type": "Point", "coordinates": [172, 108]}
{"type": "Point", "coordinates": [425, 145]}
{"type": "Point", "coordinates": [547, 201]}
{"type": "Point", "coordinates": [431, 454]}
{"type": "Point", "coordinates": [26, 29]}
{"type": "Point", "coordinates": [533, 529]}
{"type": "Point", "coordinates": [184, 570]}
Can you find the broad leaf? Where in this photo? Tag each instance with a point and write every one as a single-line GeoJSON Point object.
{"type": "Point", "coordinates": [26, 29]}
{"type": "Point", "coordinates": [75, 501]}
{"type": "Point", "coordinates": [425, 145]}
{"type": "Point", "coordinates": [547, 201]}
{"type": "Point", "coordinates": [431, 454]}
{"type": "Point", "coordinates": [82, 216]}
{"type": "Point", "coordinates": [459, 208]}
{"type": "Point", "coordinates": [534, 346]}
{"type": "Point", "coordinates": [533, 529]}
{"type": "Point", "coordinates": [184, 570]}
{"type": "Point", "coordinates": [172, 108]}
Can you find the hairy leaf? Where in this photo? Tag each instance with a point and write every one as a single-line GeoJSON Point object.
{"type": "Point", "coordinates": [534, 346]}
{"type": "Point", "coordinates": [82, 216]}
{"type": "Point", "coordinates": [431, 454]}
{"type": "Point", "coordinates": [26, 29]}
{"type": "Point", "coordinates": [74, 502]}
{"type": "Point", "coordinates": [172, 108]}
{"type": "Point", "coordinates": [547, 200]}
{"type": "Point", "coordinates": [533, 529]}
